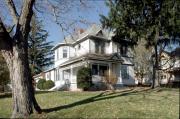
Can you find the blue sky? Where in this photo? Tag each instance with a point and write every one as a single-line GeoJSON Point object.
{"type": "Point", "coordinates": [90, 14]}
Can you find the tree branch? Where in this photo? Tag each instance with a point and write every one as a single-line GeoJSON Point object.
{"type": "Point", "coordinates": [13, 10]}
{"type": "Point", "coordinates": [25, 18]}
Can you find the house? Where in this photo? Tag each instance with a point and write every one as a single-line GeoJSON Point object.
{"type": "Point", "coordinates": [92, 48]}
{"type": "Point", "coordinates": [39, 76]}
{"type": "Point", "coordinates": [170, 67]}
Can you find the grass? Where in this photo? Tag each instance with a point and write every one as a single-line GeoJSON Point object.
{"type": "Point", "coordinates": [160, 103]}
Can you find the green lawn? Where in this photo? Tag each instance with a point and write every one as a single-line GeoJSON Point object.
{"type": "Point", "coordinates": [128, 103]}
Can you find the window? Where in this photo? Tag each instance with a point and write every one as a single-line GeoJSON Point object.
{"type": "Point", "coordinates": [100, 70]}
{"type": "Point", "coordinates": [64, 52]}
{"type": "Point", "coordinates": [163, 76]}
{"type": "Point", "coordinates": [124, 72]}
{"type": "Point", "coordinates": [123, 50]}
{"type": "Point", "coordinates": [79, 46]}
{"type": "Point", "coordinates": [94, 69]}
{"type": "Point", "coordinates": [103, 70]}
{"type": "Point", "coordinates": [56, 74]}
{"type": "Point", "coordinates": [99, 47]}
{"type": "Point", "coordinates": [102, 47]}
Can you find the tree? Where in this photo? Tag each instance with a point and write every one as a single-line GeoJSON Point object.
{"type": "Point", "coordinates": [110, 80]}
{"type": "Point", "coordinates": [142, 61]}
{"type": "Point", "coordinates": [15, 51]}
{"type": "Point", "coordinates": [156, 21]}
{"type": "Point", "coordinates": [162, 28]}
{"type": "Point", "coordinates": [14, 48]}
{"type": "Point", "coordinates": [84, 78]}
{"type": "Point", "coordinates": [40, 54]}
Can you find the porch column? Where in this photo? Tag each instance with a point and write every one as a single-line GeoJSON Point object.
{"type": "Point", "coordinates": [110, 69]}
{"type": "Point", "coordinates": [98, 69]}
{"type": "Point", "coordinates": [71, 74]}
{"type": "Point", "coordinates": [61, 75]}
{"type": "Point", "coordinates": [71, 77]}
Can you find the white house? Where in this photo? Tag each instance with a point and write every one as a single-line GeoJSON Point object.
{"type": "Point", "coordinates": [94, 48]}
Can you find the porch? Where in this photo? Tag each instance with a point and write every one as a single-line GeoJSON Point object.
{"type": "Point", "coordinates": [100, 71]}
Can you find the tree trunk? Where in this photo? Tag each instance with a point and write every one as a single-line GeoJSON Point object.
{"type": "Point", "coordinates": [15, 52]}
{"type": "Point", "coordinates": [155, 68]}
{"type": "Point", "coordinates": [35, 104]}
{"type": "Point", "coordinates": [22, 101]}
{"type": "Point", "coordinates": [22, 89]}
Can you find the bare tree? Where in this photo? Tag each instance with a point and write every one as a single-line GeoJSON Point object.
{"type": "Point", "coordinates": [142, 59]}
{"type": "Point", "coordinates": [110, 80]}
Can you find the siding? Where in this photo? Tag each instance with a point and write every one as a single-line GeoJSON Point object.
{"type": "Point", "coordinates": [59, 55]}
{"type": "Point", "coordinates": [82, 48]}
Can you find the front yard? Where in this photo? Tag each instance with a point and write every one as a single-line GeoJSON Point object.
{"type": "Point", "coordinates": [127, 103]}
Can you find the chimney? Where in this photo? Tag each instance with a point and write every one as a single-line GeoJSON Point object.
{"type": "Point", "coordinates": [78, 31]}
{"type": "Point", "coordinates": [81, 31]}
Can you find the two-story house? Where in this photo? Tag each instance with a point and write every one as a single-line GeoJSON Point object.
{"type": "Point", "coordinates": [170, 67]}
{"type": "Point", "coordinates": [93, 48]}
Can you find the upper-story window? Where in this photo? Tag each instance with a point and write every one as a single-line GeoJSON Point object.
{"type": "Point", "coordinates": [64, 52]}
{"type": "Point", "coordinates": [123, 50]}
{"type": "Point", "coordinates": [79, 46]}
{"type": "Point", "coordinates": [99, 47]}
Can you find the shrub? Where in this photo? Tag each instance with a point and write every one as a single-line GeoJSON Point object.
{"type": "Point", "coordinates": [84, 78]}
{"type": "Point", "coordinates": [49, 84]}
{"type": "Point", "coordinates": [41, 83]}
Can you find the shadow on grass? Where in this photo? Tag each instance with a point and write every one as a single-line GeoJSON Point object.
{"type": "Point", "coordinates": [9, 94]}
{"type": "Point", "coordinates": [99, 97]}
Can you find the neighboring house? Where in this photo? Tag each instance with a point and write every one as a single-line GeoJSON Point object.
{"type": "Point", "coordinates": [39, 76]}
{"type": "Point", "coordinates": [145, 80]}
{"type": "Point", "coordinates": [170, 67]}
{"type": "Point", "coordinates": [92, 48]}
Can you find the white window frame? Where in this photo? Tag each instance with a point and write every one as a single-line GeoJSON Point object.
{"type": "Point", "coordinates": [63, 51]}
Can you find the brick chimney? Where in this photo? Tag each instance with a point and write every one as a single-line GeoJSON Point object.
{"type": "Point", "coordinates": [81, 31]}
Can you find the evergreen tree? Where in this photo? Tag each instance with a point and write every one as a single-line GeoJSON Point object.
{"type": "Point", "coordinates": [157, 21]}
{"type": "Point", "coordinates": [40, 54]}
{"type": "Point", "coordinates": [120, 20]}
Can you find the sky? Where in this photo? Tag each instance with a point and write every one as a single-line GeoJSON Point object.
{"type": "Point", "coordinates": [91, 15]}
{"type": "Point", "coordinates": [89, 12]}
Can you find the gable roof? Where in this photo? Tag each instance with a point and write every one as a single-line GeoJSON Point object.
{"type": "Point", "coordinates": [93, 31]}
{"type": "Point", "coordinates": [174, 53]}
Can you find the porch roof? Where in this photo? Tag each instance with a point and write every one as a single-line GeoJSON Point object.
{"type": "Point", "coordinates": [99, 57]}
